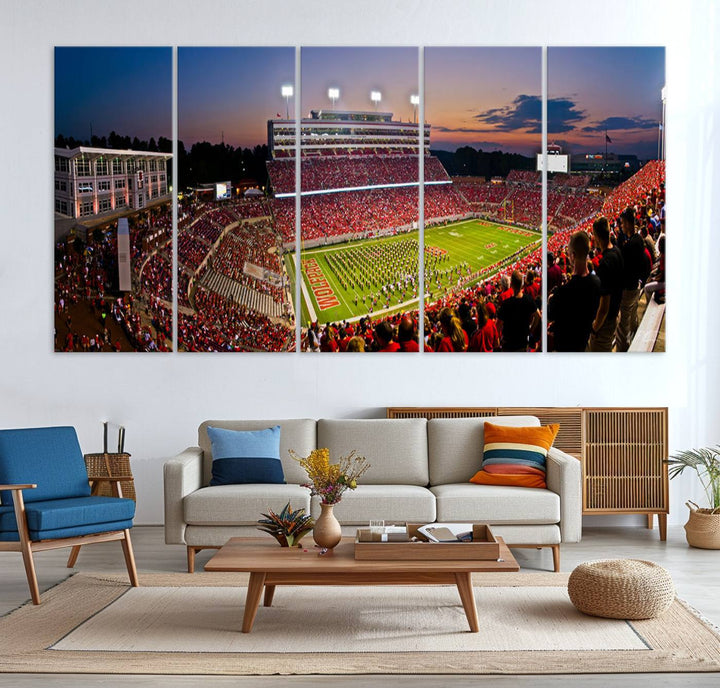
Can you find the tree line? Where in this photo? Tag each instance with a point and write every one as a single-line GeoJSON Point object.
{"type": "Point", "coordinates": [467, 161]}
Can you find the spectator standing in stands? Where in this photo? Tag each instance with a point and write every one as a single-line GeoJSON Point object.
{"type": "Point", "coordinates": [610, 272]}
{"type": "Point", "coordinates": [635, 272]}
{"type": "Point", "coordinates": [454, 337]}
{"type": "Point", "coordinates": [657, 285]}
{"type": "Point", "coordinates": [407, 336]}
{"type": "Point", "coordinates": [554, 273]}
{"type": "Point", "coordinates": [515, 316]}
{"type": "Point", "coordinates": [485, 337]}
{"type": "Point", "coordinates": [573, 305]}
{"type": "Point", "coordinates": [384, 337]}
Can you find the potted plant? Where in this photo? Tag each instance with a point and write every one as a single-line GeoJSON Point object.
{"type": "Point", "coordinates": [703, 527]}
{"type": "Point", "coordinates": [288, 527]}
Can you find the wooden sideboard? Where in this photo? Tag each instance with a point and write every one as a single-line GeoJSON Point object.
{"type": "Point", "coordinates": [622, 450]}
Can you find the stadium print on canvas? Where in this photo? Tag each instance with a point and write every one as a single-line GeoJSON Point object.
{"type": "Point", "coordinates": [359, 202]}
{"type": "Point", "coordinates": [233, 230]}
{"type": "Point", "coordinates": [483, 199]}
{"type": "Point", "coordinates": [606, 199]}
{"type": "Point", "coordinates": [113, 212]}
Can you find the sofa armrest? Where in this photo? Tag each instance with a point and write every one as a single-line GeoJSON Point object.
{"type": "Point", "coordinates": [564, 477]}
{"type": "Point", "coordinates": [181, 476]}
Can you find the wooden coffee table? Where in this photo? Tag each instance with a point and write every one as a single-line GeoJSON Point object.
{"type": "Point", "coordinates": [270, 565]}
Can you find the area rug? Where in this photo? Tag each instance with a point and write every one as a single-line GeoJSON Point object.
{"type": "Point", "coordinates": [189, 624]}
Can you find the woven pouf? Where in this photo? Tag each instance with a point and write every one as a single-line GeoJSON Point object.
{"type": "Point", "coordinates": [621, 589]}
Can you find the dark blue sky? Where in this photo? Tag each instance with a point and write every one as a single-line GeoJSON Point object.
{"type": "Point", "coordinates": [126, 90]}
{"type": "Point", "coordinates": [231, 90]}
{"type": "Point", "coordinates": [357, 72]}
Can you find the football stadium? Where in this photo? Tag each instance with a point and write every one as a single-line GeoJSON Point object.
{"type": "Point", "coordinates": [359, 238]}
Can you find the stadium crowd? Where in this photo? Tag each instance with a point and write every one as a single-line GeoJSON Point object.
{"type": "Point", "coordinates": [340, 172]}
{"type": "Point", "coordinates": [86, 296]}
{"type": "Point", "coordinates": [600, 268]}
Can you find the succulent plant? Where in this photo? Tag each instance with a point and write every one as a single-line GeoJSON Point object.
{"type": "Point", "coordinates": [288, 527]}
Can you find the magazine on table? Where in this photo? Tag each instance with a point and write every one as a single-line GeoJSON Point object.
{"type": "Point", "coordinates": [447, 532]}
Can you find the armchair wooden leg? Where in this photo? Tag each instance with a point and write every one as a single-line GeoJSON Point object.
{"type": "Point", "coordinates": [130, 559]}
{"type": "Point", "coordinates": [556, 558]}
{"type": "Point", "coordinates": [26, 545]}
{"type": "Point", "coordinates": [191, 559]}
{"type": "Point", "coordinates": [30, 572]}
{"type": "Point", "coordinates": [72, 559]}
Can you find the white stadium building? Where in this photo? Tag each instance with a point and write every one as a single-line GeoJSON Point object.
{"type": "Point", "coordinates": [94, 182]}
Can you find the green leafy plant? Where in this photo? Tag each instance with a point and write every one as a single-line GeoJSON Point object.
{"type": "Point", "coordinates": [706, 463]}
{"type": "Point", "coordinates": [288, 527]}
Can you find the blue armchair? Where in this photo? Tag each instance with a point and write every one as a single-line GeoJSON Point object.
{"type": "Point", "coordinates": [45, 499]}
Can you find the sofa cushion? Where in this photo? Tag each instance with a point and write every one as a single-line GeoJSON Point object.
{"type": "Point", "coordinates": [548, 534]}
{"type": "Point", "coordinates": [455, 445]}
{"type": "Point", "coordinates": [245, 456]}
{"type": "Point", "coordinates": [72, 531]}
{"type": "Point", "coordinates": [396, 449]}
{"type": "Point", "coordinates": [295, 433]}
{"type": "Point", "coordinates": [382, 502]}
{"type": "Point", "coordinates": [496, 504]}
{"type": "Point", "coordinates": [515, 456]}
{"type": "Point", "coordinates": [227, 505]}
{"type": "Point", "coordinates": [55, 514]}
{"type": "Point", "coordinates": [51, 458]}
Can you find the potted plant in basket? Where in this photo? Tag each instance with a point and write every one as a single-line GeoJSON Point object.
{"type": "Point", "coordinates": [703, 527]}
{"type": "Point", "coordinates": [328, 481]}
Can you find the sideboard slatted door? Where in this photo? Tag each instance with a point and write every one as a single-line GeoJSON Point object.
{"type": "Point", "coordinates": [569, 437]}
{"type": "Point", "coordinates": [623, 462]}
{"type": "Point", "coordinates": [440, 412]}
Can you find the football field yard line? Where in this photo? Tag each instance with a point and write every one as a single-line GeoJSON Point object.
{"type": "Point", "coordinates": [308, 301]}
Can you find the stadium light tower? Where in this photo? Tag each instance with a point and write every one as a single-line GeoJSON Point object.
{"type": "Point", "coordinates": [415, 101]}
{"type": "Point", "coordinates": [333, 94]}
{"type": "Point", "coordinates": [287, 93]}
{"type": "Point", "coordinates": [376, 97]}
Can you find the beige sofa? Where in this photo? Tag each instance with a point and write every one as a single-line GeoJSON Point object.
{"type": "Point", "coordinates": [419, 472]}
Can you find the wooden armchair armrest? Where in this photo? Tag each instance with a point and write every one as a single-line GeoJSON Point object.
{"type": "Point", "coordinates": [113, 479]}
{"type": "Point", "coordinates": [29, 486]}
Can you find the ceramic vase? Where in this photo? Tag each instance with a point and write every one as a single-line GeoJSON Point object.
{"type": "Point", "coordinates": [326, 532]}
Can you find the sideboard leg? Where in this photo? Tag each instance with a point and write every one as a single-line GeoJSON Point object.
{"type": "Point", "coordinates": [662, 522]}
{"type": "Point", "coordinates": [650, 521]}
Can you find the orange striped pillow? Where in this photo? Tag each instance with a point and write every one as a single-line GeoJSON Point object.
{"type": "Point", "coordinates": [515, 456]}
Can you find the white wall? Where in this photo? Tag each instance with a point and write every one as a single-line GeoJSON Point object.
{"type": "Point", "coordinates": [162, 398]}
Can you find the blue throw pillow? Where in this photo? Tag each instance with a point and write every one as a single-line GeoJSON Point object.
{"type": "Point", "coordinates": [241, 457]}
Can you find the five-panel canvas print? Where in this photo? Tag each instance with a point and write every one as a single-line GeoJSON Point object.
{"type": "Point", "coordinates": [427, 221]}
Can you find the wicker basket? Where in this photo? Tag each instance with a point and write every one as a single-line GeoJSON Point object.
{"type": "Point", "coordinates": [108, 466]}
{"type": "Point", "coordinates": [703, 527]}
{"type": "Point", "coordinates": [621, 589]}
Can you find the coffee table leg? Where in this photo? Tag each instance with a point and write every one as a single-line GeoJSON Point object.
{"type": "Point", "coordinates": [464, 586]}
{"type": "Point", "coordinates": [269, 592]}
{"type": "Point", "coordinates": [252, 601]}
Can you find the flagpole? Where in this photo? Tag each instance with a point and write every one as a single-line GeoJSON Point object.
{"type": "Point", "coordinates": [605, 161]}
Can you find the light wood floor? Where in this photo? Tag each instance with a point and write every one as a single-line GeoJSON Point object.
{"type": "Point", "coordinates": [696, 574]}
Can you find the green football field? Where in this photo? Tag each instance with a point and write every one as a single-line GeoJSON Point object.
{"type": "Point", "coordinates": [349, 280]}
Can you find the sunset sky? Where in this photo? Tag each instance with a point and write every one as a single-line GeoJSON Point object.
{"type": "Point", "coordinates": [594, 89]}
{"type": "Point", "coordinates": [126, 90]}
{"type": "Point", "coordinates": [488, 98]}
